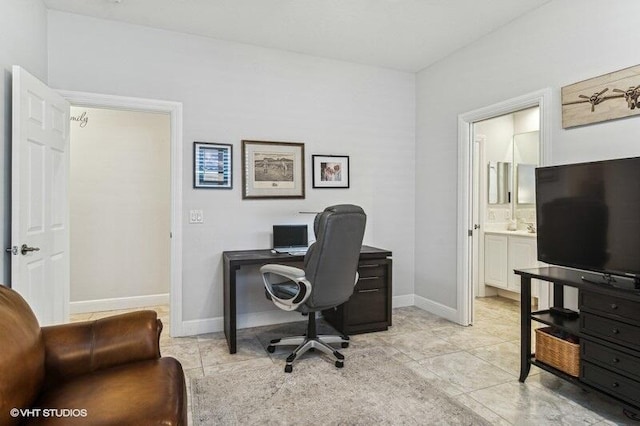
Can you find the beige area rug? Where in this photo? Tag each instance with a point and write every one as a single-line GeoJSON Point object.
{"type": "Point", "coordinates": [371, 389]}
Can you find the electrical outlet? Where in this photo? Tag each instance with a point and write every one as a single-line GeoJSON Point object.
{"type": "Point", "coordinates": [196, 216]}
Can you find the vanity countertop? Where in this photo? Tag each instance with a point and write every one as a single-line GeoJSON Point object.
{"type": "Point", "coordinates": [519, 232]}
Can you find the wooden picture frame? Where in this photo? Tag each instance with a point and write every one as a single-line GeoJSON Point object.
{"type": "Point", "coordinates": [272, 169]}
{"type": "Point", "coordinates": [330, 171]}
{"type": "Point", "coordinates": [603, 98]}
{"type": "Point", "coordinates": [212, 165]}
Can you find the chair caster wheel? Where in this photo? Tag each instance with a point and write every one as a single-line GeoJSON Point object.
{"type": "Point", "coordinates": [345, 344]}
{"type": "Point", "coordinates": [288, 368]}
{"type": "Point", "coordinates": [339, 364]}
{"type": "Point", "coordinates": [271, 349]}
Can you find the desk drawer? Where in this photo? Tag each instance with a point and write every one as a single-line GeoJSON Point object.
{"type": "Point", "coordinates": [374, 282]}
{"type": "Point", "coordinates": [620, 362]}
{"type": "Point", "coordinates": [613, 331]}
{"type": "Point", "coordinates": [610, 382]}
{"type": "Point", "coordinates": [372, 268]}
{"type": "Point", "coordinates": [610, 306]}
{"type": "Point", "coordinates": [367, 306]}
{"type": "Point", "coordinates": [372, 275]}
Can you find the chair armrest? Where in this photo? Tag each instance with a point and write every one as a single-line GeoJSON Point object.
{"type": "Point", "coordinates": [289, 272]}
{"type": "Point", "coordinates": [84, 347]}
{"type": "Point", "coordinates": [296, 275]}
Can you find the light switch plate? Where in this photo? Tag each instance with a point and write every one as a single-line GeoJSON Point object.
{"type": "Point", "coordinates": [196, 216]}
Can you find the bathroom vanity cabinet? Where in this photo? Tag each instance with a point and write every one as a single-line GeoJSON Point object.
{"type": "Point", "coordinates": [505, 251]}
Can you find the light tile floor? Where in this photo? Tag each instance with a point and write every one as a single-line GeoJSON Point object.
{"type": "Point", "coordinates": [477, 365]}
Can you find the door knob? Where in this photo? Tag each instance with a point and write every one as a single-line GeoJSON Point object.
{"type": "Point", "coordinates": [24, 249]}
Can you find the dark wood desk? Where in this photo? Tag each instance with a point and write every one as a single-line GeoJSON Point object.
{"type": "Point", "coordinates": [369, 256]}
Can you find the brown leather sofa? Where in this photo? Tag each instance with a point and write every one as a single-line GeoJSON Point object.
{"type": "Point", "coordinates": [103, 372]}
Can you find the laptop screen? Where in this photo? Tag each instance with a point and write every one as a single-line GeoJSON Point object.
{"type": "Point", "coordinates": [290, 236]}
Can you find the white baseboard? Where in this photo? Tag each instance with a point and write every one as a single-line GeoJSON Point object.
{"type": "Point", "coordinates": [200, 326]}
{"type": "Point", "coordinates": [436, 308]}
{"type": "Point", "coordinates": [402, 301]}
{"type": "Point", "coordinates": [258, 319]}
{"type": "Point", "coordinates": [255, 319]}
{"type": "Point", "coordinates": [117, 303]}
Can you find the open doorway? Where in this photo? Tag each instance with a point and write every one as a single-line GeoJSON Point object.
{"type": "Point", "coordinates": [507, 151]}
{"type": "Point", "coordinates": [174, 111]}
{"type": "Point", "coordinates": [120, 211]}
{"type": "Point", "coordinates": [475, 172]}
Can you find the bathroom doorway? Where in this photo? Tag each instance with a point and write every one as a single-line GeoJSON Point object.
{"type": "Point", "coordinates": [481, 205]}
{"type": "Point", "coordinates": [506, 154]}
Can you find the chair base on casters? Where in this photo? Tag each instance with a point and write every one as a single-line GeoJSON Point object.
{"type": "Point", "coordinates": [311, 341]}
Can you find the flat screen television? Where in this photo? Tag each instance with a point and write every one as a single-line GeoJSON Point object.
{"type": "Point", "coordinates": [588, 216]}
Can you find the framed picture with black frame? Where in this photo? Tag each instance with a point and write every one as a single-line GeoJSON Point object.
{"type": "Point", "coordinates": [330, 171]}
{"type": "Point", "coordinates": [272, 169]}
{"type": "Point", "coordinates": [212, 165]}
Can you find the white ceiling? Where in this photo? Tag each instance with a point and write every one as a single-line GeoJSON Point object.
{"type": "Point", "coordinates": [407, 35]}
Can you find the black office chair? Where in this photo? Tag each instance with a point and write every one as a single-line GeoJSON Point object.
{"type": "Point", "coordinates": [328, 278]}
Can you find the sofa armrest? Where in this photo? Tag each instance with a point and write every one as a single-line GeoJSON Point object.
{"type": "Point", "coordinates": [79, 348]}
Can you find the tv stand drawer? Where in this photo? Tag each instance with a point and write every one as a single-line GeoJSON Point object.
{"type": "Point", "coordinates": [611, 358]}
{"type": "Point", "coordinates": [613, 331]}
{"type": "Point", "coordinates": [611, 383]}
{"type": "Point", "coordinates": [611, 306]}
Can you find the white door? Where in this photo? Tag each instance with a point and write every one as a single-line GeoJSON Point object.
{"type": "Point", "coordinates": [39, 197]}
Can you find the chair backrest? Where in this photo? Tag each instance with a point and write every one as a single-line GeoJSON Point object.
{"type": "Point", "coordinates": [331, 262]}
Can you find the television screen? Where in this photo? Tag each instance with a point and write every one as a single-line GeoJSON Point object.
{"type": "Point", "coordinates": [588, 216]}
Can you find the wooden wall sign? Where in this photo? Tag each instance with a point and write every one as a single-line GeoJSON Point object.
{"type": "Point", "coordinates": [603, 98]}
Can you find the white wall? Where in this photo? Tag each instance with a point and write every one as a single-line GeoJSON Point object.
{"type": "Point", "coordinates": [553, 46]}
{"type": "Point", "coordinates": [120, 204]}
{"type": "Point", "coordinates": [23, 41]}
{"type": "Point", "coordinates": [232, 92]}
{"type": "Point", "coordinates": [499, 136]}
{"type": "Point", "coordinates": [526, 121]}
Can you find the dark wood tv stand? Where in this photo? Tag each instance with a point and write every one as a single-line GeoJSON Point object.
{"type": "Point", "coordinates": [608, 327]}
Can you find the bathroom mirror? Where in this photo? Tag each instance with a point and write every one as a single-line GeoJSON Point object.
{"type": "Point", "coordinates": [526, 154]}
{"type": "Point", "coordinates": [499, 179]}
{"type": "Point", "coordinates": [526, 189]}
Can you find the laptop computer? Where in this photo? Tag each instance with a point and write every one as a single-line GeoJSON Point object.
{"type": "Point", "coordinates": [290, 239]}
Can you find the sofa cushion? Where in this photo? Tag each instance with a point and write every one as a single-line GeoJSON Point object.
{"type": "Point", "coordinates": [83, 347]}
{"type": "Point", "coordinates": [140, 393]}
{"type": "Point", "coordinates": [21, 355]}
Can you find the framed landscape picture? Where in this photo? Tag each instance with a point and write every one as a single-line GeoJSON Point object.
{"type": "Point", "coordinates": [330, 171]}
{"type": "Point", "coordinates": [272, 169]}
{"type": "Point", "coordinates": [212, 163]}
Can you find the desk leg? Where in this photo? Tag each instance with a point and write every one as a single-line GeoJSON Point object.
{"type": "Point", "coordinates": [525, 327]}
{"type": "Point", "coordinates": [230, 271]}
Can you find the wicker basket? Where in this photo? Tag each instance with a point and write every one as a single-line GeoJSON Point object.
{"type": "Point", "coordinates": [558, 353]}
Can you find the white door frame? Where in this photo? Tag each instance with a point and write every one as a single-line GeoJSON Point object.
{"type": "Point", "coordinates": [174, 109]}
{"type": "Point", "coordinates": [542, 99]}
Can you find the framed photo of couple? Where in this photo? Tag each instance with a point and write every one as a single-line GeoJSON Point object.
{"type": "Point", "coordinates": [330, 171]}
